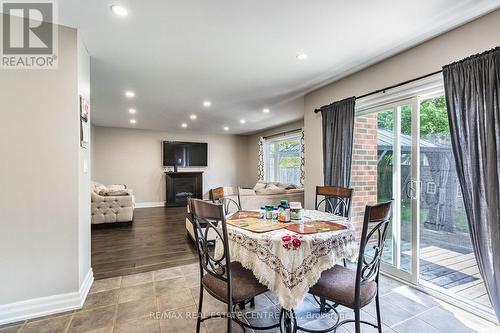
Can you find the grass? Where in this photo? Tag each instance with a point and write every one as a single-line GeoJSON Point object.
{"type": "Point", "coordinates": [459, 219]}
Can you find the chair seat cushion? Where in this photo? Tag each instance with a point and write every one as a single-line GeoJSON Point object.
{"type": "Point", "coordinates": [244, 284]}
{"type": "Point", "coordinates": [338, 285]}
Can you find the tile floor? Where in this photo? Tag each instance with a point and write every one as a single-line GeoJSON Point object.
{"type": "Point", "coordinates": [130, 304]}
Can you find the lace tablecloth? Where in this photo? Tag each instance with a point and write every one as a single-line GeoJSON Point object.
{"type": "Point", "coordinates": [287, 270]}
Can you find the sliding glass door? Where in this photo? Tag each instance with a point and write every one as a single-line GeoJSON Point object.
{"type": "Point", "coordinates": [402, 151]}
{"type": "Point", "coordinates": [447, 260]}
{"type": "Point", "coordinates": [397, 179]}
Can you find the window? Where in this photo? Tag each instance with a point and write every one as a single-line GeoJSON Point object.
{"type": "Point", "coordinates": [431, 188]}
{"type": "Point", "coordinates": [282, 159]}
{"type": "Point", "coordinates": [459, 190]}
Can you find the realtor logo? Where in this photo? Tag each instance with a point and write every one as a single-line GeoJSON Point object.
{"type": "Point", "coordinates": [28, 35]}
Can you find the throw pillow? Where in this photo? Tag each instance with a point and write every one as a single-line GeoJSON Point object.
{"type": "Point", "coordinates": [116, 193]}
{"type": "Point", "coordinates": [259, 186]}
{"type": "Point", "coordinates": [246, 191]}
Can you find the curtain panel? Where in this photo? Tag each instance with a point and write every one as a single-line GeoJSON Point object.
{"type": "Point", "coordinates": [302, 158]}
{"type": "Point", "coordinates": [338, 130]}
{"type": "Point", "coordinates": [260, 170]}
{"type": "Point", "coordinates": [472, 88]}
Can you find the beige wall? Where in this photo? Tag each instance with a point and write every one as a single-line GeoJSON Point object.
{"type": "Point", "coordinates": [39, 181]}
{"type": "Point", "coordinates": [133, 157]}
{"type": "Point", "coordinates": [84, 169]}
{"type": "Point", "coordinates": [474, 37]}
{"type": "Point", "coordinates": [253, 148]}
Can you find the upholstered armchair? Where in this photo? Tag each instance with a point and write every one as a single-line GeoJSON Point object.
{"type": "Point", "coordinates": [114, 203]}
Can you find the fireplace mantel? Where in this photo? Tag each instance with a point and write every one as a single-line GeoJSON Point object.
{"type": "Point", "coordinates": [181, 185]}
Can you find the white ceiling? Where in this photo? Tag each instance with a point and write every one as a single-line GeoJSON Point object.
{"type": "Point", "coordinates": [240, 54]}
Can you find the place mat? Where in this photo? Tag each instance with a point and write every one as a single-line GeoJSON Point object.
{"type": "Point", "coordinates": [315, 227]}
{"type": "Point", "coordinates": [250, 220]}
{"type": "Point", "coordinates": [243, 214]}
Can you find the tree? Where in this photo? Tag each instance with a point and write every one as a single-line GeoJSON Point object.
{"type": "Point", "coordinates": [433, 119]}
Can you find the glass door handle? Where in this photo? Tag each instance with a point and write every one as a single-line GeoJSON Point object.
{"type": "Point", "coordinates": [408, 189]}
{"type": "Point", "coordinates": [413, 190]}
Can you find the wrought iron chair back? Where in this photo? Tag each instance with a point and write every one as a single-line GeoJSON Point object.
{"type": "Point", "coordinates": [373, 234]}
{"type": "Point", "coordinates": [224, 196]}
{"type": "Point", "coordinates": [206, 217]}
{"type": "Point", "coordinates": [336, 199]}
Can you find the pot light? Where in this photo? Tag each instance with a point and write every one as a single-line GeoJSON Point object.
{"type": "Point", "coordinates": [265, 110]}
{"type": "Point", "coordinates": [130, 94]}
{"type": "Point", "coordinates": [133, 121]}
{"type": "Point", "coordinates": [132, 111]}
{"type": "Point", "coordinates": [193, 117]}
{"type": "Point", "coordinates": [226, 128]}
{"type": "Point", "coordinates": [119, 10]}
{"type": "Point", "coordinates": [302, 56]}
{"type": "Point", "coordinates": [242, 121]}
{"type": "Point", "coordinates": [184, 125]}
{"type": "Point", "coordinates": [207, 104]}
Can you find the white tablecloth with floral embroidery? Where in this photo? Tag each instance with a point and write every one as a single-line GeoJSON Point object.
{"type": "Point", "coordinates": [287, 270]}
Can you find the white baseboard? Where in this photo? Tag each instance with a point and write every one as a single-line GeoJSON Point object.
{"type": "Point", "coordinates": [43, 306]}
{"type": "Point", "coordinates": [149, 204]}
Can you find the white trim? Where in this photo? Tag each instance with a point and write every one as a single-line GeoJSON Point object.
{"type": "Point", "coordinates": [297, 134]}
{"type": "Point", "coordinates": [43, 306]}
{"type": "Point", "coordinates": [150, 204]}
{"type": "Point", "coordinates": [431, 85]}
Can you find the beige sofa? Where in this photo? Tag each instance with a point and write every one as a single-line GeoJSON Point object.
{"type": "Point", "coordinates": [269, 193]}
{"type": "Point", "coordinates": [110, 204]}
{"type": "Point", "coordinates": [264, 193]}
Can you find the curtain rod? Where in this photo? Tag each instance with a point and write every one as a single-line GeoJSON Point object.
{"type": "Point", "coordinates": [282, 133]}
{"type": "Point", "coordinates": [387, 88]}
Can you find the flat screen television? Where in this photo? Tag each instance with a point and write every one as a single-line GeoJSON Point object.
{"type": "Point", "coordinates": [184, 154]}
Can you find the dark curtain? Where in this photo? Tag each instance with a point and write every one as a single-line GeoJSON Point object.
{"type": "Point", "coordinates": [338, 130]}
{"type": "Point", "coordinates": [472, 89]}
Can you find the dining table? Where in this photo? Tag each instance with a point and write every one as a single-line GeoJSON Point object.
{"type": "Point", "coordinates": [289, 258]}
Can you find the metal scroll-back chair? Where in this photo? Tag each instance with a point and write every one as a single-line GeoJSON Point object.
{"type": "Point", "coordinates": [357, 288]}
{"type": "Point", "coordinates": [336, 199]}
{"type": "Point", "coordinates": [227, 196]}
{"type": "Point", "coordinates": [228, 282]}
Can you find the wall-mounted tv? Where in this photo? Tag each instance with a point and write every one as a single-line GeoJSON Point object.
{"type": "Point", "coordinates": [184, 154]}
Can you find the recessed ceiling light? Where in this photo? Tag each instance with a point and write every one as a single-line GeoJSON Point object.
{"type": "Point", "coordinates": [184, 125]}
{"type": "Point", "coordinates": [119, 10]}
{"type": "Point", "coordinates": [265, 110]}
{"type": "Point", "coordinates": [302, 56]}
{"type": "Point", "coordinates": [226, 128]}
{"type": "Point", "coordinates": [130, 94]}
{"type": "Point", "coordinates": [193, 117]}
{"type": "Point", "coordinates": [207, 104]}
{"type": "Point", "coordinates": [133, 121]}
{"type": "Point", "coordinates": [242, 121]}
{"type": "Point", "coordinates": [132, 111]}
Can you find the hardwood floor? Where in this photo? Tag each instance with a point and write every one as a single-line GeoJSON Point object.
{"type": "Point", "coordinates": [155, 240]}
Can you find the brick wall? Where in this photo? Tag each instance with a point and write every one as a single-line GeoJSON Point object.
{"type": "Point", "coordinates": [364, 167]}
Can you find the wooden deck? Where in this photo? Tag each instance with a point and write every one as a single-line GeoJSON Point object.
{"type": "Point", "coordinates": [457, 272]}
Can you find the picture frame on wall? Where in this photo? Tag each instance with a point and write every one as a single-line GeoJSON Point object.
{"type": "Point", "coordinates": [84, 109]}
{"type": "Point", "coordinates": [84, 122]}
{"type": "Point", "coordinates": [85, 134]}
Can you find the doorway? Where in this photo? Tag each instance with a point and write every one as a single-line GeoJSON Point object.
{"type": "Point", "coordinates": [428, 243]}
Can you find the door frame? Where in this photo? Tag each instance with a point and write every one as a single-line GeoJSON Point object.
{"type": "Point", "coordinates": [420, 90]}
{"type": "Point", "coordinates": [412, 276]}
